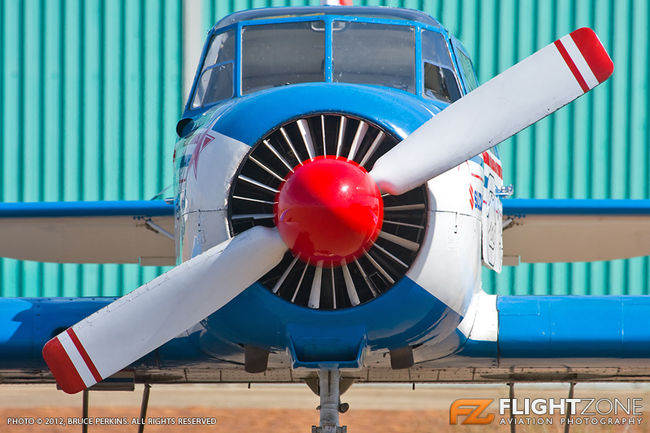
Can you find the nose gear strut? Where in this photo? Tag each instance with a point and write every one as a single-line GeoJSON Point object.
{"type": "Point", "coordinates": [330, 402]}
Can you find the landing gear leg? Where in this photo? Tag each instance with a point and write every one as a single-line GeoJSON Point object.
{"type": "Point", "coordinates": [513, 418]}
{"type": "Point", "coordinates": [329, 402]}
{"type": "Point", "coordinates": [144, 406]}
{"type": "Point", "coordinates": [567, 420]}
{"type": "Point", "coordinates": [84, 410]}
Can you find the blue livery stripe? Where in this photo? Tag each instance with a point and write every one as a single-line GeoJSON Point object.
{"type": "Point", "coordinates": [86, 208]}
{"type": "Point", "coordinates": [251, 118]}
{"type": "Point", "coordinates": [26, 324]}
{"type": "Point", "coordinates": [523, 207]}
{"type": "Point", "coordinates": [477, 159]}
{"type": "Point", "coordinates": [308, 333]}
{"type": "Point", "coordinates": [543, 327]}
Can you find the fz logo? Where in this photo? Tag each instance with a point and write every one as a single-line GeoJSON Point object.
{"type": "Point", "coordinates": [471, 409]}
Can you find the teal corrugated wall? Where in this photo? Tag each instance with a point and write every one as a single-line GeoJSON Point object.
{"type": "Point", "coordinates": [598, 147]}
{"type": "Point", "coordinates": [90, 92]}
{"type": "Point", "coordinates": [77, 96]}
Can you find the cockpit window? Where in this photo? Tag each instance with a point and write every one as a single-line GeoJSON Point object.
{"type": "Point", "coordinates": [468, 70]}
{"type": "Point", "coordinates": [222, 49]}
{"type": "Point", "coordinates": [369, 53]}
{"type": "Point", "coordinates": [439, 78]}
{"type": "Point", "coordinates": [280, 54]}
{"type": "Point", "coordinates": [276, 54]}
{"type": "Point", "coordinates": [216, 81]}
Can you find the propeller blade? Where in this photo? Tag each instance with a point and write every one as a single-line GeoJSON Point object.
{"type": "Point", "coordinates": [513, 100]}
{"type": "Point", "coordinates": [134, 325]}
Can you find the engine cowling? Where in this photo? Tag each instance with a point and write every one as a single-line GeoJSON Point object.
{"type": "Point", "coordinates": [361, 244]}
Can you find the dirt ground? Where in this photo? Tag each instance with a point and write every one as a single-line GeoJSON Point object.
{"type": "Point", "coordinates": [281, 409]}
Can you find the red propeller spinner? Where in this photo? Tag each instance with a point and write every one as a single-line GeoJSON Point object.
{"type": "Point", "coordinates": [329, 210]}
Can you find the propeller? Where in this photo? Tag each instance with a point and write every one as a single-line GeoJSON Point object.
{"type": "Point", "coordinates": [134, 325]}
{"type": "Point", "coordinates": [513, 100]}
{"type": "Point", "coordinates": [328, 212]}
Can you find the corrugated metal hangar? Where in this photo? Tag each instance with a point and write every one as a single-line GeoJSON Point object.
{"type": "Point", "coordinates": [91, 90]}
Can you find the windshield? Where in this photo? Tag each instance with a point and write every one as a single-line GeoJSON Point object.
{"type": "Point", "coordinates": [439, 77]}
{"type": "Point", "coordinates": [369, 53]}
{"type": "Point", "coordinates": [216, 79]}
{"type": "Point", "coordinates": [280, 54]}
{"type": "Point", "coordinates": [254, 57]}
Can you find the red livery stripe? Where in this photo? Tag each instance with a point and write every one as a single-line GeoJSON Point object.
{"type": "Point", "coordinates": [84, 355]}
{"type": "Point", "coordinates": [493, 164]}
{"type": "Point", "coordinates": [572, 66]}
{"type": "Point", "coordinates": [61, 367]}
{"type": "Point", "coordinates": [594, 53]}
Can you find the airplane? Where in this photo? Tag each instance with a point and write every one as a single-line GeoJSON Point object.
{"type": "Point", "coordinates": [338, 189]}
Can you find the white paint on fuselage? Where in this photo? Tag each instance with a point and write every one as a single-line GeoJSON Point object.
{"type": "Point", "coordinates": [204, 196]}
{"type": "Point", "coordinates": [448, 265]}
{"type": "Point", "coordinates": [482, 319]}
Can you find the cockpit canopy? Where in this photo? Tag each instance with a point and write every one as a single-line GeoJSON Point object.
{"type": "Point", "coordinates": [390, 51]}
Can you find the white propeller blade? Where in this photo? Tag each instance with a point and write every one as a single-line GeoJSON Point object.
{"type": "Point", "coordinates": [134, 325]}
{"type": "Point", "coordinates": [523, 94]}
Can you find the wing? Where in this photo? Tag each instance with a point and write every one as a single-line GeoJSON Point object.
{"type": "Point", "coordinates": [89, 232]}
{"type": "Point", "coordinates": [553, 338]}
{"type": "Point", "coordinates": [574, 230]}
{"type": "Point", "coordinates": [26, 325]}
{"type": "Point", "coordinates": [501, 339]}
{"type": "Point", "coordinates": [509, 338]}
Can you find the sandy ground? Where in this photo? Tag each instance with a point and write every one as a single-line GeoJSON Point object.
{"type": "Point", "coordinates": [288, 408]}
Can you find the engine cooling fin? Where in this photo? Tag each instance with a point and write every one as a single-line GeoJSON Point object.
{"type": "Point", "coordinates": [328, 286]}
